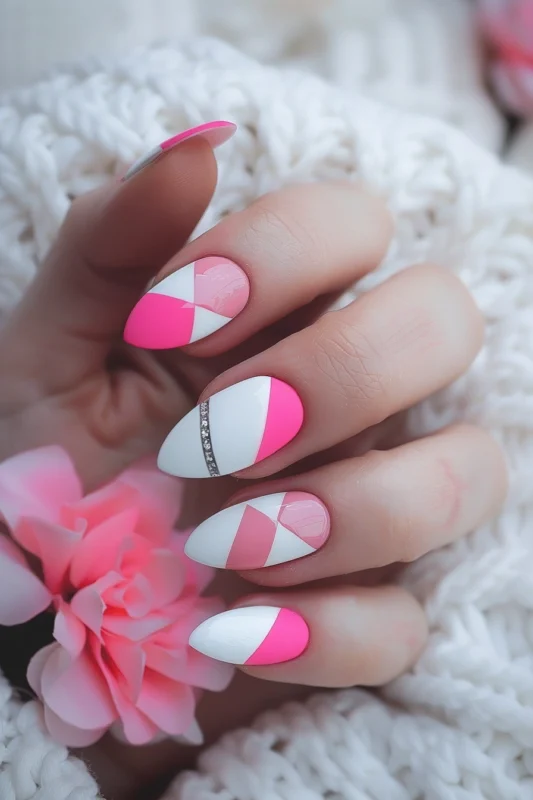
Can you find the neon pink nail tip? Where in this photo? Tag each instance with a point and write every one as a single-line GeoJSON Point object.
{"type": "Point", "coordinates": [188, 305]}
{"type": "Point", "coordinates": [286, 640]}
{"type": "Point", "coordinates": [284, 419]}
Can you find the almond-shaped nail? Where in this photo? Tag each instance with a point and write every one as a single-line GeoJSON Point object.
{"type": "Point", "coordinates": [192, 303]}
{"type": "Point", "coordinates": [252, 636]}
{"type": "Point", "coordinates": [215, 133]}
{"type": "Point", "coordinates": [235, 428]}
{"type": "Point", "coordinates": [261, 532]}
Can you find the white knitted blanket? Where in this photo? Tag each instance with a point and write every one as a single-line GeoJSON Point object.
{"type": "Point", "coordinates": [460, 726]}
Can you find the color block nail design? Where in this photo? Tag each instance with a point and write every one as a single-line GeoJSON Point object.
{"type": "Point", "coordinates": [215, 133]}
{"type": "Point", "coordinates": [237, 427]}
{"type": "Point", "coordinates": [252, 636]}
{"type": "Point", "coordinates": [188, 305]}
{"type": "Point", "coordinates": [261, 532]}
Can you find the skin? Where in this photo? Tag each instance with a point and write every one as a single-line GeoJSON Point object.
{"type": "Point", "coordinates": [391, 500]}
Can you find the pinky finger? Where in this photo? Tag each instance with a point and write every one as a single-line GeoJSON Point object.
{"type": "Point", "coordinates": [344, 636]}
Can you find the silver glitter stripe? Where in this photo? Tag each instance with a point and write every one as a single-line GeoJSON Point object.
{"type": "Point", "coordinates": [207, 445]}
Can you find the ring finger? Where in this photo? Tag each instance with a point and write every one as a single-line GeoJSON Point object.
{"type": "Point", "coordinates": [358, 514]}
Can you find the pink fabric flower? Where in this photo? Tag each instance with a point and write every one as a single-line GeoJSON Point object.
{"type": "Point", "coordinates": [124, 594]}
{"type": "Point", "coordinates": [508, 25]}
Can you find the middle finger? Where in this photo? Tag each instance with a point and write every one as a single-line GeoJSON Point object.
{"type": "Point", "coordinates": [352, 369]}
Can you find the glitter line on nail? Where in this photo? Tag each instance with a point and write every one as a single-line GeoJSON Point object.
{"type": "Point", "coordinates": [207, 444]}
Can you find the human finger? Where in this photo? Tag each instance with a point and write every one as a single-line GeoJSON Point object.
{"type": "Point", "coordinates": [330, 637]}
{"type": "Point", "coordinates": [358, 514]}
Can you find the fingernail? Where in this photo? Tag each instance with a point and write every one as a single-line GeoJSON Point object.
{"type": "Point", "coordinates": [261, 532]}
{"type": "Point", "coordinates": [215, 133]}
{"type": "Point", "coordinates": [188, 305]}
{"type": "Point", "coordinates": [235, 428]}
{"type": "Point", "coordinates": [252, 636]}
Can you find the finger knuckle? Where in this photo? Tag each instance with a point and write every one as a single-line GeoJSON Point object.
{"type": "Point", "coordinates": [276, 230]}
{"type": "Point", "coordinates": [361, 663]}
{"type": "Point", "coordinates": [432, 514]}
{"type": "Point", "coordinates": [346, 358]}
{"type": "Point", "coordinates": [444, 285]}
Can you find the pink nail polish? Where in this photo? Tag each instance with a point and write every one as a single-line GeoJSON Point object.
{"type": "Point", "coordinates": [261, 532]}
{"type": "Point", "coordinates": [192, 303]}
{"type": "Point", "coordinates": [215, 133]}
{"type": "Point", "coordinates": [237, 427]}
{"type": "Point", "coordinates": [252, 636]}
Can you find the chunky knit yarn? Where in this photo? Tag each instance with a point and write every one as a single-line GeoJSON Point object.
{"type": "Point", "coordinates": [460, 725]}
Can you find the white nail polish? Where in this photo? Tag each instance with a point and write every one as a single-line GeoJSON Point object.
{"type": "Point", "coordinates": [235, 428]}
{"type": "Point", "coordinates": [261, 532]}
{"type": "Point", "coordinates": [252, 636]}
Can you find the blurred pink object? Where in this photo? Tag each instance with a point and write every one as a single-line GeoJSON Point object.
{"type": "Point", "coordinates": [124, 594]}
{"type": "Point", "coordinates": [508, 25]}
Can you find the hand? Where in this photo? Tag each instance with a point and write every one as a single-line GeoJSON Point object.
{"type": "Point", "coordinates": [69, 379]}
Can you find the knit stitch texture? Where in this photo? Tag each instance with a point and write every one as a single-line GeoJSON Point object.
{"type": "Point", "coordinates": [460, 725]}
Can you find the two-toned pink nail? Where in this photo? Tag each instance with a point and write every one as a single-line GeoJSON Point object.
{"type": "Point", "coordinates": [252, 636]}
{"type": "Point", "coordinates": [233, 429]}
{"type": "Point", "coordinates": [261, 532]}
{"type": "Point", "coordinates": [215, 133]}
{"type": "Point", "coordinates": [192, 303]}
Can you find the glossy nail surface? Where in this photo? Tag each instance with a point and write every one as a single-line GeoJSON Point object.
{"type": "Point", "coordinates": [252, 636]}
{"type": "Point", "coordinates": [261, 532]}
{"type": "Point", "coordinates": [235, 428]}
{"type": "Point", "coordinates": [188, 305]}
{"type": "Point", "coordinates": [215, 133]}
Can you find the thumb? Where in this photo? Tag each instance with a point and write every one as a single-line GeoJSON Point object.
{"type": "Point", "coordinates": [112, 242]}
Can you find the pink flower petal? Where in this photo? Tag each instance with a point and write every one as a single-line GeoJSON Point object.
{"type": "Point", "coordinates": [22, 595]}
{"type": "Point", "coordinates": [186, 615]}
{"type": "Point", "coordinates": [133, 596]}
{"type": "Point", "coordinates": [168, 650]}
{"type": "Point", "coordinates": [69, 631]}
{"type": "Point", "coordinates": [159, 499]}
{"type": "Point", "coordinates": [130, 659]}
{"type": "Point", "coordinates": [135, 557]}
{"type": "Point", "coordinates": [36, 667]}
{"type": "Point", "coordinates": [102, 548]}
{"type": "Point", "coordinates": [189, 667]}
{"type": "Point", "coordinates": [53, 545]}
{"type": "Point", "coordinates": [37, 484]}
{"type": "Point", "coordinates": [77, 691]}
{"type": "Point", "coordinates": [136, 629]}
{"type": "Point", "coordinates": [69, 735]}
{"type": "Point", "coordinates": [197, 576]}
{"type": "Point", "coordinates": [137, 728]}
{"type": "Point", "coordinates": [193, 735]}
{"type": "Point", "coordinates": [98, 506]}
{"type": "Point", "coordinates": [88, 604]}
{"type": "Point", "coordinates": [168, 704]}
{"type": "Point", "coordinates": [165, 574]}
{"type": "Point", "coordinates": [10, 550]}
